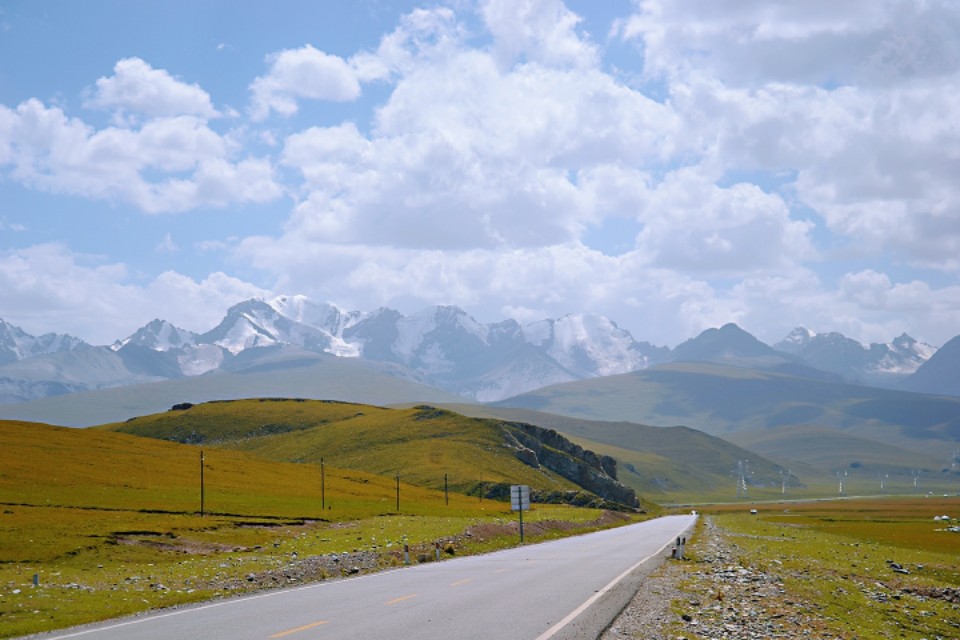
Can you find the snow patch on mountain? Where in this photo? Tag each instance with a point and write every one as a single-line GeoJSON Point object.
{"type": "Point", "coordinates": [903, 356]}
{"type": "Point", "coordinates": [195, 360]}
{"type": "Point", "coordinates": [795, 340]}
{"type": "Point", "coordinates": [879, 364]}
{"type": "Point", "coordinates": [158, 335]}
{"type": "Point", "coordinates": [587, 343]}
{"type": "Point", "coordinates": [16, 344]}
{"type": "Point", "coordinates": [327, 318]}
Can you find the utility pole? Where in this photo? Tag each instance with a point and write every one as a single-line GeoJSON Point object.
{"type": "Point", "coordinates": [201, 485]}
{"type": "Point", "coordinates": [786, 480]}
{"type": "Point", "coordinates": [323, 487]}
{"type": "Point", "coordinates": [398, 492]}
{"type": "Point", "coordinates": [446, 493]}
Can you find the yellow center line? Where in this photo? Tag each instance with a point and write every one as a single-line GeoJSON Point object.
{"type": "Point", "coordinates": [400, 599]}
{"type": "Point", "coordinates": [460, 582]}
{"type": "Point", "coordinates": [298, 629]}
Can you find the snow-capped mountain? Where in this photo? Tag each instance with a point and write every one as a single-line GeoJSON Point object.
{"type": "Point", "coordinates": [16, 344]}
{"type": "Point", "coordinates": [592, 345]}
{"type": "Point", "coordinates": [441, 345]}
{"type": "Point", "coordinates": [158, 335]}
{"type": "Point", "coordinates": [877, 364]}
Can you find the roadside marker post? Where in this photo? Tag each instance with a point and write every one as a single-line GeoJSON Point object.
{"type": "Point", "coordinates": [520, 501]}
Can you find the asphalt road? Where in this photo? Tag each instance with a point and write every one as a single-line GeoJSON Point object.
{"type": "Point", "coordinates": [570, 588]}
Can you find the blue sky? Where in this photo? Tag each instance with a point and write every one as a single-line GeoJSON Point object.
{"type": "Point", "coordinates": [671, 165]}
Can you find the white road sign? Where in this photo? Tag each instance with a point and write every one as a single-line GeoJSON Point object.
{"type": "Point", "coordinates": [520, 497]}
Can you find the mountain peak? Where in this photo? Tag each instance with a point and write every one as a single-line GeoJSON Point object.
{"type": "Point", "coordinates": [16, 344]}
{"type": "Point", "coordinates": [158, 335]}
{"type": "Point", "coordinates": [729, 341]}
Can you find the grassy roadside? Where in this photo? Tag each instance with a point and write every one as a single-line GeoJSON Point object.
{"type": "Point", "coordinates": [851, 569]}
{"type": "Point", "coordinates": [110, 525]}
{"type": "Point", "coordinates": [93, 565]}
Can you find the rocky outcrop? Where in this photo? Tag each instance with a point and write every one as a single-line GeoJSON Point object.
{"type": "Point", "coordinates": [539, 447]}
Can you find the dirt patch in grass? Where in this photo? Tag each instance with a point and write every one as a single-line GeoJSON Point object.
{"type": "Point", "coordinates": [173, 544]}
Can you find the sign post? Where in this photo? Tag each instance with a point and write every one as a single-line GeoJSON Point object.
{"type": "Point", "coordinates": [520, 501]}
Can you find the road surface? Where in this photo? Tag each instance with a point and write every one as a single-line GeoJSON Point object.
{"type": "Point", "coordinates": [569, 588]}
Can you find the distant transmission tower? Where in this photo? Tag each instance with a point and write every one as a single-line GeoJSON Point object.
{"type": "Point", "coordinates": [785, 478]}
{"type": "Point", "coordinates": [840, 476]}
{"type": "Point", "coordinates": [741, 478]}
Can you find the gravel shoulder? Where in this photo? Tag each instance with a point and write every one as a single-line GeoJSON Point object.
{"type": "Point", "coordinates": [718, 595]}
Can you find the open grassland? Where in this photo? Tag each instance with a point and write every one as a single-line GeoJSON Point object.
{"type": "Point", "coordinates": [110, 524]}
{"type": "Point", "coordinates": [864, 569]}
{"type": "Point", "coordinates": [426, 446]}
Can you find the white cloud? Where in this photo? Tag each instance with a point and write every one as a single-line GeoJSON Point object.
{"type": "Point", "coordinates": [541, 31]}
{"type": "Point", "coordinates": [189, 165]}
{"type": "Point", "coordinates": [691, 224]}
{"type": "Point", "coordinates": [754, 42]}
{"type": "Point", "coordinates": [49, 288]}
{"type": "Point", "coordinates": [302, 73]}
{"type": "Point", "coordinates": [854, 101]}
{"type": "Point", "coordinates": [478, 156]}
{"type": "Point", "coordinates": [136, 87]}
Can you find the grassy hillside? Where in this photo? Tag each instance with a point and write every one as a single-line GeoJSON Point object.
{"type": "Point", "coordinates": [662, 463]}
{"type": "Point", "coordinates": [110, 524]}
{"type": "Point", "coordinates": [425, 445]}
{"type": "Point", "coordinates": [101, 470]}
{"type": "Point", "coordinates": [274, 373]}
{"type": "Point", "coordinates": [723, 400]}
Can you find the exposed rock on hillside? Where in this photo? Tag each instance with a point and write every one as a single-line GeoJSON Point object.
{"type": "Point", "coordinates": [538, 447]}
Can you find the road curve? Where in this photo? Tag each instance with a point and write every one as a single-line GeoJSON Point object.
{"type": "Point", "coordinates": [569, 588]}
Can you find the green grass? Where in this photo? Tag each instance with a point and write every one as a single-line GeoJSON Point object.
{"type": "Point", "coordinates": [423, 445]}
{"type": "Point", "coordinates": [110, 523]}
{"type": "Point", "coordinates": [834, 556]}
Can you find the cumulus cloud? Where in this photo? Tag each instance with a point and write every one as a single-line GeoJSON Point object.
{"type": "Point", "coordinates": [137, 88]}
{"type": "Point", "coordinates": [168, 164]}
{"type": "Point", "coordinates": [486, 166]}
{"type": "Point", "coordinates": [755, 42]}
{"type": "Point", "coordinates": [477, 155]}
{"type": "Point", "coordinates": [694, 225]}
{"type": "Point", "coordinates": [302, 73]}
{"type": "Point", "coordinates": [541, 31]}
{"type": "Point", "coordinates": [854, 101]}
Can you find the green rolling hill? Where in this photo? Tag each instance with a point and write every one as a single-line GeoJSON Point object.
{"type": "Point", "coordinates": [426, 446]}
{"type": "Point", "coordinates": [663, 463]}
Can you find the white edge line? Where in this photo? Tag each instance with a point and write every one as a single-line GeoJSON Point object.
{"type": "Point", "coordinates": [552, 631]}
